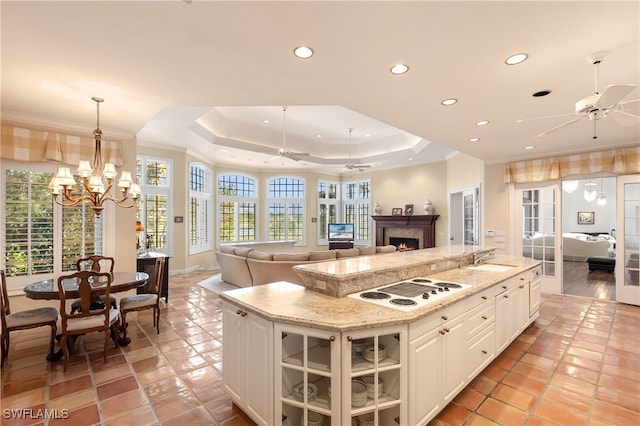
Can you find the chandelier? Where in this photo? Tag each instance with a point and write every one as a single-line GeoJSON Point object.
{"type": "Point", "coordinates": [97, 180]}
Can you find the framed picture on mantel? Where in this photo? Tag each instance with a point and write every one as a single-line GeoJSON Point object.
{"type": "Point", "coordinates": [396, 211]}
{"type": "Point", "coordinates": [408, 209]}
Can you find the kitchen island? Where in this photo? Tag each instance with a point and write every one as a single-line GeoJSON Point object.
{"type": "Point", "coordinates": [292, 355]}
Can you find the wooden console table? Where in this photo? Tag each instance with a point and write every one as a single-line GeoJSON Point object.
{"type": "Point", "coordinates": [147, 263]}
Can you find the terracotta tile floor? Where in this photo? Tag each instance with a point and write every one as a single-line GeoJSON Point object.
{"type": "Point", "coordinates": [578, 364]}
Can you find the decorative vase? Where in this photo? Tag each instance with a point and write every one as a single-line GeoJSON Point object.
{"type": "Point", "coordinates": [377, 208]}
{"type": "Point", "coordinates": [428, 207]}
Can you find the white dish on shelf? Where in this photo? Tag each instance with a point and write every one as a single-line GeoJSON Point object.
{"type": "Point", "coordinates": [369, 382]}
{"type": "Point", "coordinates": [358, 393]}
{"type": "Point", "coordinates": [368, 352]}
{"type": "Point", "coordinates": [313, 419]}
{"type": "Point", "coordinates": [298, 392]}
{"type": "Point", "coordinates": [367, 419]}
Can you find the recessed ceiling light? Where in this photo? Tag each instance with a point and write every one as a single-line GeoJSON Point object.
{"type": "Point", "coordinates": [474, 139]}
{"type": "Point", "coordinates": [318, 136]}
{"type": "Point", "coordinates": [367, 135]}
{"type": "Point", "coordinates": [541, 93]}
{"type": "Point", "coordinates": [410, 158]}
{"type": "Point", "coordinates": [516, 59]}
{"type": "Point", "coordinates": [482, 123]}
{"type": "Point", "coordinates": [448, 102]}
{"type": "Point", "coordinates": [303, 52]}
{"type": "Point", "coordinates": [529, 147]}
{"type": "Point", "coordinates": [399, 69]}
{"type": "Point", "coordinates": [266, 121]}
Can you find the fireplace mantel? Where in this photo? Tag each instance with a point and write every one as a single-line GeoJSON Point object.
{"type": "Point", "coordinates": [427, 223]}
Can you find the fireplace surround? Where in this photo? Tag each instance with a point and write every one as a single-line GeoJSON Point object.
{"type": "Point", "coordinates": [422, 227]}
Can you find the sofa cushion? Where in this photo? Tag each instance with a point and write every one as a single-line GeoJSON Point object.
{"type": "Point", "coordinates": [322, 255]}
{"type": "Point", "coordinates": [242, 251]}
{"type": "Point", "coordinates": [352, 252]}
{"type": "Point", "coordinates": [386, 249]}
{"type": "Point", "coordinates": [291, 256]}
{"type": "Point", "coordinates": [228, 249]}
{"type": "Point", "coordinates": [260, 255]}
{"type": "Point", "coordinates": [365, 251]}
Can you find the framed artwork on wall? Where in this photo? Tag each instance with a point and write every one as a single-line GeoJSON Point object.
{"type": "Point", "coordinates": [586, 218]}
{"type": "Point", "coordinates": [408, 209]}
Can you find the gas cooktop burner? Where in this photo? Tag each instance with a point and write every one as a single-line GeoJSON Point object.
{"type": "Point", "coordinates": [421, 280]}
{"type": "Point", "coordinates": [403, 302]}
{"type": "Point", "coordinates": [374, 295]}
{"type": "Point", "coordinates": [448, 285]}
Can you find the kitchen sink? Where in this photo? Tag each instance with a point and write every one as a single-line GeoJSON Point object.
{"type": "Point", "coordinates": [491, 267]}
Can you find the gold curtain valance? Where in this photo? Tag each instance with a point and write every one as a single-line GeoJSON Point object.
{"type": "Point", "coordinates": [31, 145]}
{"type": "Point", "coordinates": [616, 161]}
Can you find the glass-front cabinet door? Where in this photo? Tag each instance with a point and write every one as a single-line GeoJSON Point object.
{"type": "Point", "coordinates": [628, 240]}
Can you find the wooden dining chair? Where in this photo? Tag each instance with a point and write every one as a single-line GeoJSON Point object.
{"type": "Point", "coordinates": [150, 300]}
{"type": "Point", "coordinates": [87, 319]}
{"type": "Point", "coordinates": [95, 263]}
{"type": "Point", "coordinates": [31, 318]}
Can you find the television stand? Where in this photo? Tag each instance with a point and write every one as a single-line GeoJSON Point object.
{"type": "Point", "coordinates": [340, 245]}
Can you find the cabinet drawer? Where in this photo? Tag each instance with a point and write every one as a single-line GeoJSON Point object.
{"type": "Point", "coordinates": [482, 297]}
{"type": "Point", "coordinates": [481, 352]}
{"type": "Point", "coordinates": [479, 317]}
{"type": "Point", "coordinates": [436, 319]}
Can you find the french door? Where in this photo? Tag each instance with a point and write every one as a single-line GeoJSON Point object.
{"type": "Point", "coordinates": [628, 240]}
{"type": "Point", "coordinates": [538, 230]}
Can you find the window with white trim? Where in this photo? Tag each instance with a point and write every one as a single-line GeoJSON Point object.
{"type": "Point", "coordinates": [237, 208]}
{"type": "Point", "coordinates": [285, 209]}
{"type": "Point", "coordinates": [42, 239]}
{"type": "Point", "coordinates": [199, 208]}
{"type": "Point", "coordinates": [155, 206]}
{"type": "Point", "coordinates": [328, 207]}
{"type": "Point", "coordinates": [357, 208]}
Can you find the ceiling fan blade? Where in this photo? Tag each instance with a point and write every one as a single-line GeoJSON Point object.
{"type": "Point", "coordinates": [613, 94]}
{"type": "Point", "coordinates": [557, 127]}
{"type": "Point", "coordinates": [628, 102]}
{"type": "Point", "coordinates": [623, 117]}
{"type": "Point", "coordinates": [290, 156]}
{"type": "Point", "coordinates": [542, 118]}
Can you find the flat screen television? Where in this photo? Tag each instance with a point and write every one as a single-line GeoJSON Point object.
{"type": "Point", "coordinates": [341, 232]}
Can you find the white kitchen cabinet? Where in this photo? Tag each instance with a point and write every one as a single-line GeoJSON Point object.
{"type": "Point", "coordinates": [481, 331]}
{"type": "Point", "coordinates": [437, 356]}
{"type": "Point", "coordinates": [512, 310]}
{"type": "Point", "coordinates": [247, 362]}
{"type": "Point", "coordinates": [306, 358]}
{"type": "Point", "coordinates": [385, 365]}
{"type": "Point", "coordinates": [535, 278]}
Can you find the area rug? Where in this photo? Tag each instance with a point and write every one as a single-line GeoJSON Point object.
{"type": "Point", "coordinates": [216, 285]}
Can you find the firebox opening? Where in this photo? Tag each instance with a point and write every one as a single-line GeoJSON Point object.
{"type": "Point", "coordinates": [405, 244]}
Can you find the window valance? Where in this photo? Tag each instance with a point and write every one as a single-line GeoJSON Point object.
{"type": "Point", "coordinates": [615, 161]}
{"type": "Point", "coordinates": [31, 145]}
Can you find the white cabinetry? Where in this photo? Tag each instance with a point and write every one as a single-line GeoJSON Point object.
{"type": "Point", "coordinates": [437, 353]}
{"type": "Point", "coordinates": [308, 359]}
{"type": "Point", "coordinates": [535, 278]}
{"type": "Point", "coordinates": [512, 310]}
{"type": "Point", "coordinates": [377, 356]}
{"type": "Point", "coordinates": [481, 332]}
{"type": "Point", "coordinates": [247, 361]}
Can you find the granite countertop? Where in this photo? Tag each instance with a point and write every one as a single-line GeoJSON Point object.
{"type": "Point", "coordinates": [289, 303]}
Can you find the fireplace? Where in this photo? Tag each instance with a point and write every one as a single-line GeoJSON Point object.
{"type": "Point", "coordinates": [405, 244]}
{"type": "Point", "coordinates": [419, 227]}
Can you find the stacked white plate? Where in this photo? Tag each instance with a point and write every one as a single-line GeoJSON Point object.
{"type": "Point", "coordinates": [358, 393]}
{"type": "Point", "coordinates": [367, 419]}
{"type": "Point", "coordinates": [313, 419]}
{"type": "Point", "coordinates": [368, 352]}
{"type": "Point", "coordinates": [298, 392]}
{"type": "Point", "coordinates": [369, 383]}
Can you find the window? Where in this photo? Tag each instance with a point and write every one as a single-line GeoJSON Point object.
{"type": "Point", "coordinates": [237, 201]}
{"type": "Point", "coordinates": [154, 208]}
{"type": "Point", "coordinates": [199, 209]}
{"type": "Point", "coordinates": [357, 209]}
{"type": "Point", "coordinates": [40, 237]}
{"type": "Point", "coordinates": [328, 203]}
{"type": "Point", "coordinates": [285, 208]}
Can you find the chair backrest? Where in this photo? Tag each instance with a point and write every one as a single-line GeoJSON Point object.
{"type": "Point", "coordinates": [90, 285]}
{"type": "Point", "coordinates": [95, 263]}
{"type": "Point", "coordinates": [156, 285]}
{"type": "Point", "coordinates": [4, 300]}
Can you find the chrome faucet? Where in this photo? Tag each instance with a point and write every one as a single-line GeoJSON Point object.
{"type": "Point", "coordinates": [479, 259]}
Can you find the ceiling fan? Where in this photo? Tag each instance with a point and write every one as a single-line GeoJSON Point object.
{"type": "Point", "coordinates": [598, 105]}
{"type": "Point", "coordinates": [351, 164]}
{"type": "Point", "coordinates": [283, 152]}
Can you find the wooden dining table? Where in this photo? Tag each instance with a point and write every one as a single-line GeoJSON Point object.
{"type": "Point", "coordinates": [48, 290]}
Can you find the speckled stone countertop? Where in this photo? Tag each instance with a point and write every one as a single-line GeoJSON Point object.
{"type": "Point", "coordinates": [294, 304]}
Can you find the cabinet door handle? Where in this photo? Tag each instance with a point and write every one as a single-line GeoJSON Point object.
{"type": "Point", "coordinates": [484, 352]}
{"type": "Point", "coordinates": [349, 338]}
{"type": "Point", "coordinates": [444, 317]}
{"type": "Point", "coordinates": [484, 297]}
{"type": "Point", "coordinates": [243, 314]}
{"type": "Point", "coordinates": [521, 278]}
{"type": "Point", "coordinates": [442, 332]}
{"type": "Point", "coordinates": [522, 286]}
{"type": "Point", "coordinates": [332, 338]}
{"type": "Point", "coordinates": [506, 297]}
{"type": "Point", "coordinates": [446, 330]}
{"type": "Point", "coordinates": [239, 311]}
{"type": "Point", "coordinates": [504, 287]}
{"type": "Point", "coordinates": [484, 318]}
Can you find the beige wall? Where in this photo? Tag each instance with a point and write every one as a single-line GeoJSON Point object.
{"type": "Point", "coordinates": [497, 206]}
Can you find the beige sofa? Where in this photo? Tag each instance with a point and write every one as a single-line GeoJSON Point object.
{"type": "Point", "coordinates": [246, 267]}
{"type": "Point", "coordinates": [574, 247]}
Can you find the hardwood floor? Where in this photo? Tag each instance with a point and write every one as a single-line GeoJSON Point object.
{"type": "Point", "coordinates": [579, 281]}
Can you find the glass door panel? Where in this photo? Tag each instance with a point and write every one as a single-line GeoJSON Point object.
{"type": "Point", "coordinates": [628, 240]}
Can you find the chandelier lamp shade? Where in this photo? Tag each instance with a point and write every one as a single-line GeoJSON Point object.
{"type": "Point", "coordinates": [98, 180]}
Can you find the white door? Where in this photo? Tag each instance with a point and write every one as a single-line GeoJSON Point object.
{"type": "Point", "coordinates": [464, 207]}
{"type": "Point", "coordinates": [538, 230]}
{"type": "Point", "coordinates": [628, 240]}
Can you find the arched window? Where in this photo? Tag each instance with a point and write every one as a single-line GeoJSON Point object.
{"type": "Point", "coordinates": [199, 208]}
{"type": "Point", "coordinates": [237, 201]}
{"type": "Point", "coordinates": [285, 209]}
